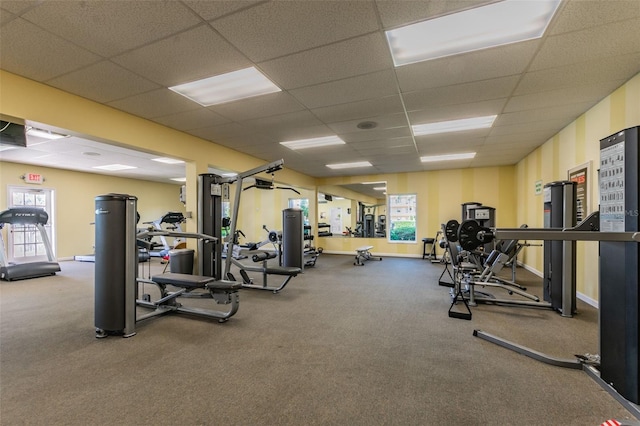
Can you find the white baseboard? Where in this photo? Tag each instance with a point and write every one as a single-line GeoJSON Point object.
{"type": "Point", "coordinates": [586, 299]}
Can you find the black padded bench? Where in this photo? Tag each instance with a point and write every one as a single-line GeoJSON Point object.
{"type": "Point", "coordinates": [190, 282]}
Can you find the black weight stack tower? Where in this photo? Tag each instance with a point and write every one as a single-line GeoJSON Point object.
{"type": "Point", "coordinates": [560, 256]}
{"type": "Point", "coordinates": [115, 265]}
{"type": "Point", "coordinates": [619, 264]}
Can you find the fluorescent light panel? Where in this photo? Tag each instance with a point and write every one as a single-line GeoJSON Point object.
{"type": "Point", "coordinates": [453, 125]}
{"type": "Point", "coordinates": [241, 84]}
{"type": "Point", "coordinates": [114, 167]}
{"type": "Point", "coordinates": [448, 157]}
{"type": "Point", "coordinates": [313, 142]}
{"type": "Point", "coordinates": [496, 24]}
{"type": "Point", "coordinates": [45, 134]}
{"type": "Point", "coordinates": [167, 160]}
{"type": "Point", "coordinates": [349, 165]}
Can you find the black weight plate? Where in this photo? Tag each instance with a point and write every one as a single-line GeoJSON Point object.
{"type": "Point", "coordinates": [468, 235]}
{"type": "Point", "coordinates": [451, 230]}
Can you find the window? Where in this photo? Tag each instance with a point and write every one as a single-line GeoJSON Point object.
{"type": "Point", "coordinates": [301, 203]}
{"type": "Point", "coordinates": [402, 217]}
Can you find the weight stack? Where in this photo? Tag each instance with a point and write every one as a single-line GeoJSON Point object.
{"type": "Point", "coordinates": [619, 304]}
{"type": "Point", "coordinates": [116, 262]}
{"type": "Point", "coordinates": [293, 238]}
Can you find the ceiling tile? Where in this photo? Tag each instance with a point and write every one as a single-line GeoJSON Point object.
{"type": "Point", "coordinates": [184, 57]}
{"type": "Point", "coordinates": [387, 121]}
{"type": "Point", "coordinates": [376, 135]}
{"type": "Point", "coordinates": [592, 72]}
{"type": "Point", "coordinates": [474, 66]}
{"type": "Point", "coordinates": [461, 93]}
{"type": "Point", "coordinates": [111, 27]}
{"type": "Point", "coordinates": [541, 114]}
{"type": "Point", "coordinates": [6, 17]}
{"type": "Point", "coordinates": [209, 10]}
{"type": "Point", "coordinates": [359, 110]}
{"type": "Point", "coordinates": [222, 132]}
{"type": "Point", "coordinates": [552, 126]}
{"type": "Point", "coordinates": [564, 96]}
{"type": "Point", "coordinates": [273, 123]}
{"type": "Point", "coordinates": [370, 86]}
{"type": "Point", "coordinates": [189, 120]}
{"type": "Point", "coordinates": [454, 112]}
{"type": "Point", "coordinates": [265, 31]}
{"type": "Point", "coordinates": [23, 47]}
{"type": "Point", "coordinates": [448, 143]}
{"type": "Point", "coordinates": [400, 13]}
{"type": "Point", "coordinates": [259, 106]}
{"type": "Point", "coordinates": [530, 138]}
{"type": "Point", "coordinates": [579, 14]}
{"type": "Point", "coordinates": [586, 45]}
{"type": "Point", "coordinates": [103, 82]}
{"type": "Point", "coordinates": [18, 7]}
{"type": "Point", "coordinates": [156, 103]}
{"type": "Point", "coordinates": [366, 54]}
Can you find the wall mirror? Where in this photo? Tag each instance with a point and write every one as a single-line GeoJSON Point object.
{"type": "Point", "coordinates": [356, 210]}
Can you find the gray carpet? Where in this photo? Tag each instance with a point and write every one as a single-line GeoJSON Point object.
{"type": "Point", "coordinates": [340, 345]}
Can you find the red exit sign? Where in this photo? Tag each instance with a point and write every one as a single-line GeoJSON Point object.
{"type": "Point", "coordinates": [33, 178]}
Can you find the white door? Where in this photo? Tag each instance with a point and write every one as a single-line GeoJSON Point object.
{"type": "Point", "coordinates": [25, 241]}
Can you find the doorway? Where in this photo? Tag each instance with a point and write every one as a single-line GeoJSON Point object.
{"type": "Point", "coordinates": [25, 241]}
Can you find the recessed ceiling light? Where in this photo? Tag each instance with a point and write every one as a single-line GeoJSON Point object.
{"type": "Point", "coordinates": [114, 167]}
{"type": "Point", "coordinates": [45, 134]}
{"type": "Point", "coordinates": [180, 179]}
{"type": "Point", "coordinates": [167, 160]}
{"type": "Point", "coordinates": [380, 188]}
{"type": "Point", "coordinates": [230, 174]}
{"type": "Point", "coordinates": [313, 142]}
{"type": "Point", "coordinates": [453, 125]}
{"type": "Point", "coordinates": [495, 24]}
{"type": "Point", "coordinates": [349, 165]}
{"type": "Point", "coordinates": [448, 157]}
{"type": "Point", "coordinates": [241, 84]}
{"type": "Point", "coordinates": [374, 183]}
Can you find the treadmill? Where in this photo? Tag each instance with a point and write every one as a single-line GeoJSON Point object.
{"type": "Point", "coordinates": [24, 216]}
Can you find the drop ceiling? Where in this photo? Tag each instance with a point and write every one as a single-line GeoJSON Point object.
{"type": "Point", "coordinates": [331, 60]}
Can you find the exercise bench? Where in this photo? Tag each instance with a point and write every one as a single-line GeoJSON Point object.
{"type": "Point", "coordinates": [222, 291]}
{"type": "Point", "coordinates": [363, 253]}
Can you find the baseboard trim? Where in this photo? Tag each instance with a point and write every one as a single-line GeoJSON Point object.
{"type": "Point", "coordinates": [580, 296]}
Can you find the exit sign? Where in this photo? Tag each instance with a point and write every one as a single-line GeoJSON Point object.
{"type": "Point", "coordinates": [33, 178]}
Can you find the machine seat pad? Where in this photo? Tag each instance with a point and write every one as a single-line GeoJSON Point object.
{"type": "Point", "coordinates": [283, 270]}
{"type": "Point", "coordinates": [183, 280]}
{"type": "Point", "coordinates": [224, 285]}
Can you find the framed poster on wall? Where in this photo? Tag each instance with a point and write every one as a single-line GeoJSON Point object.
{"type": "Point", "coordinates": [580, 175]}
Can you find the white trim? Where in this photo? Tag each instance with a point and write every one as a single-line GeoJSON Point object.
{"type": "Point", "coordinates": [586, 299]}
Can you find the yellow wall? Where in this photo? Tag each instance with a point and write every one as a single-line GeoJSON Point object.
{"type": "Point", "coordinates": [75, 194]}
{"type": "Point", "coordinates": [576, 144]}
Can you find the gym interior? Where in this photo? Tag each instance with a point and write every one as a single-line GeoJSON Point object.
{"type": "Point", "coordinates": [361, 333]}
